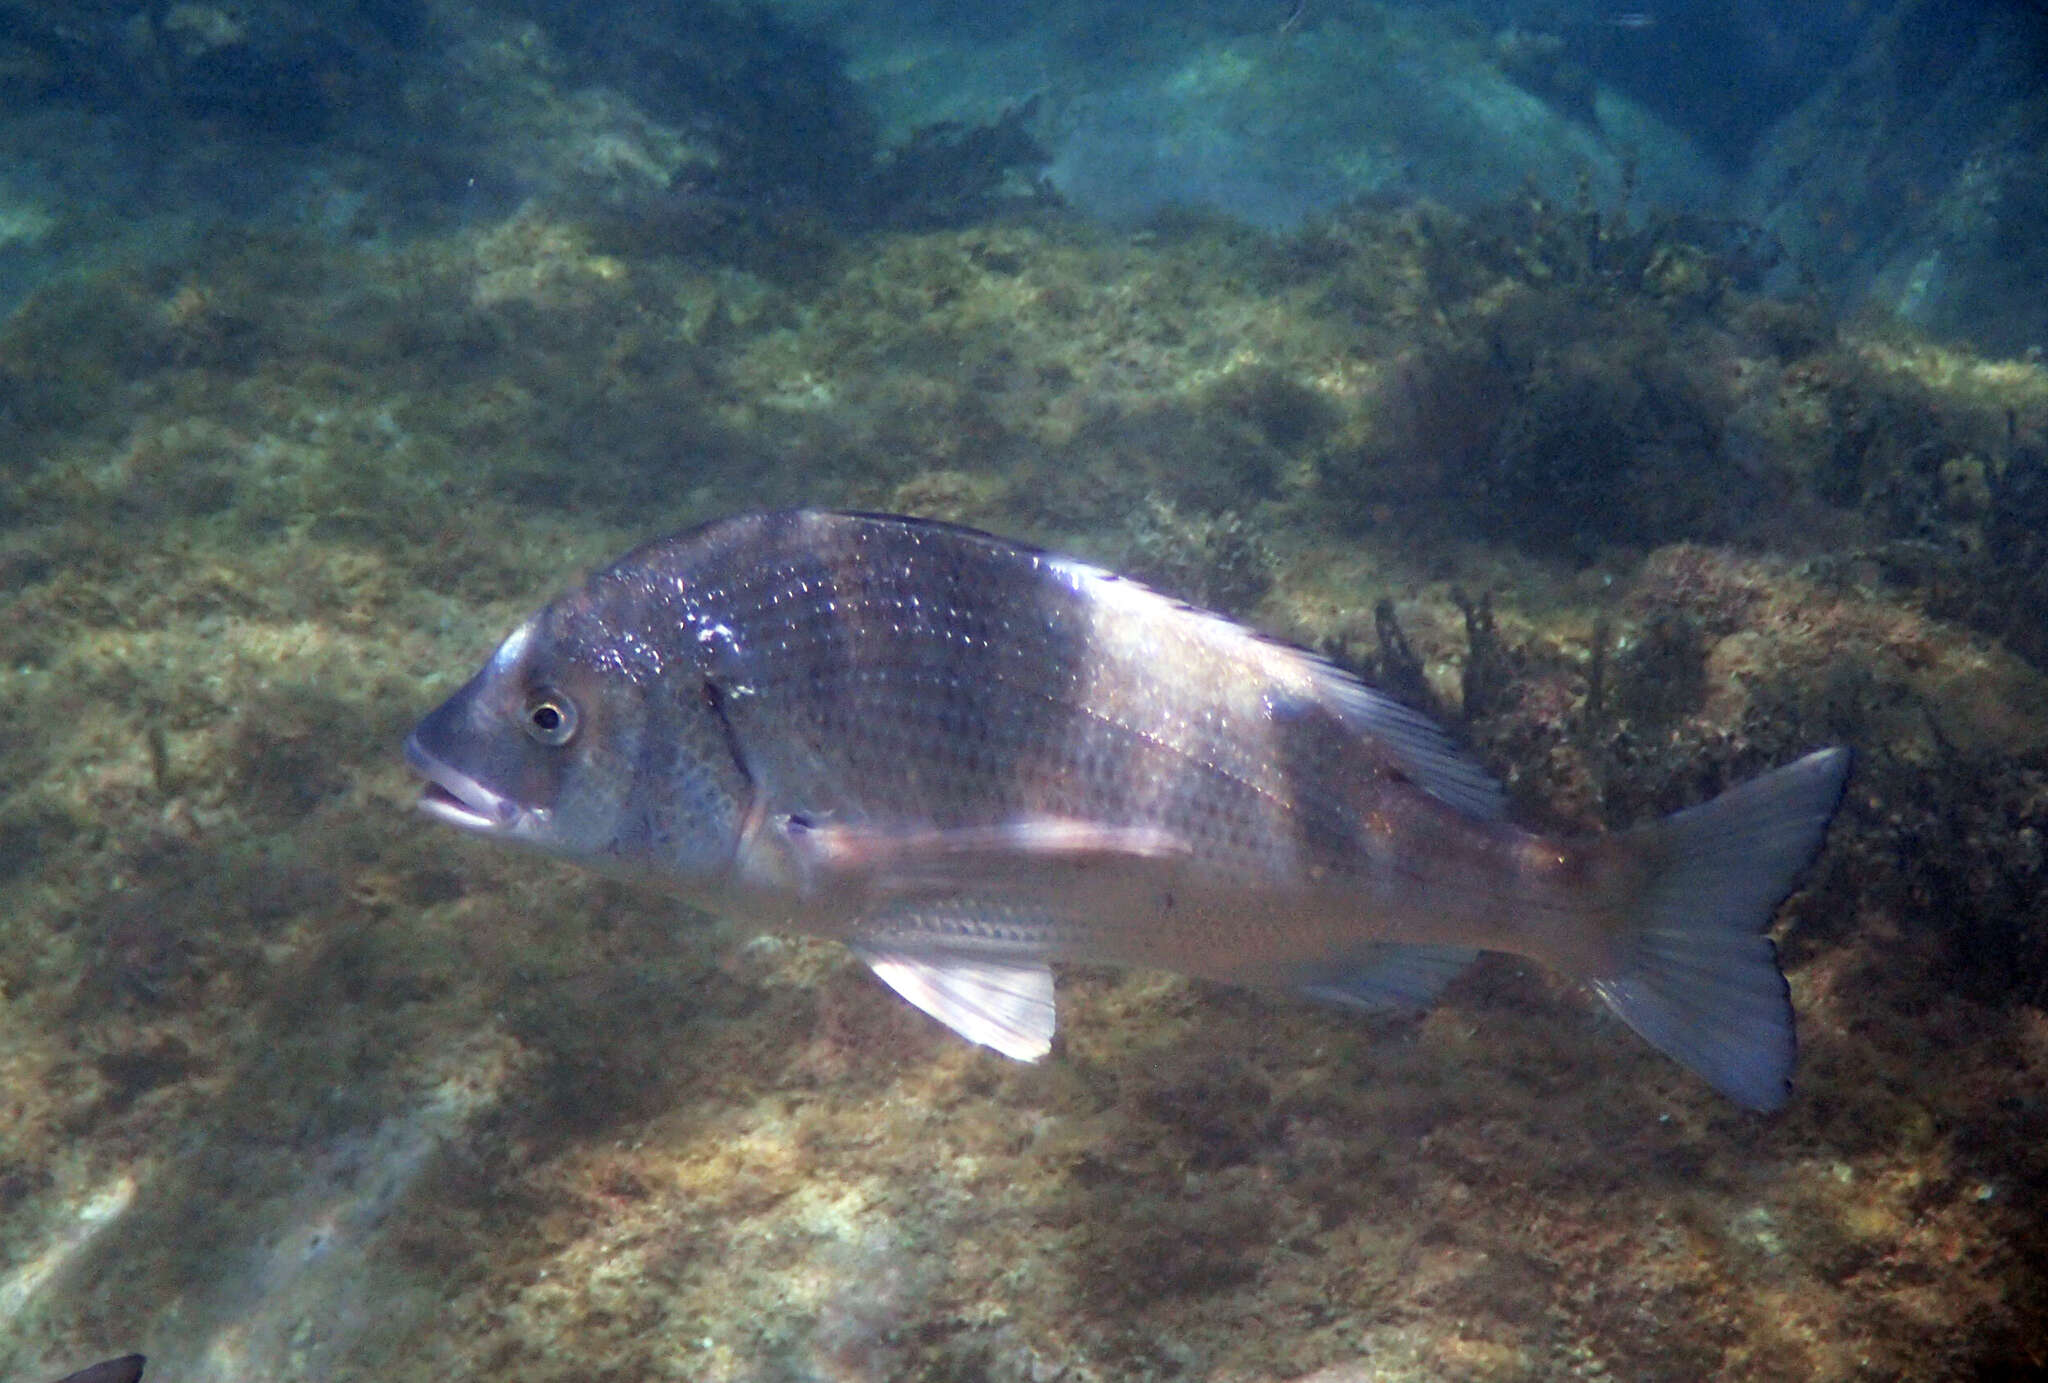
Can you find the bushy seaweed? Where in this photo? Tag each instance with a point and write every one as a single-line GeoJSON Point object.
{"type": "Point", "coordinates": [1562, 377]}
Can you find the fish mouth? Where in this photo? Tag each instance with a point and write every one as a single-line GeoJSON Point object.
{"type": "Point", "coordinates": [456, 798]}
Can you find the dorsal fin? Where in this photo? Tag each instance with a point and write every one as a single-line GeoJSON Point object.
{"type": "Point", "coordinates": [1421, 747]}
{"type": "Point", "coordinates": [1439, 766]}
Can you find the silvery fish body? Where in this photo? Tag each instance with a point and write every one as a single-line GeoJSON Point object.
{"type": "Point", "coordinates": [967, 758]}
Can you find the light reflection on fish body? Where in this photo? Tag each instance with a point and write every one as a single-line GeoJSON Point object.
{"type": "Point", "coordinates": [967, 758]}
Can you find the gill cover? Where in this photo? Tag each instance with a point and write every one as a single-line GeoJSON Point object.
{"type": "Point", "coordinates": [569, 740]}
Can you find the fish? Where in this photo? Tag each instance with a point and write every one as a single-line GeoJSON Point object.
{"type": "Point", "coordinates": [126, 1369]}
{"type": "Point", "coordinates": [968, 758]}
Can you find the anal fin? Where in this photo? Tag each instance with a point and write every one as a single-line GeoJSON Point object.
{"type": "Point", "coordinates": [1004, 1004]}
{"type": "Point", "coordinates": [1393, 977]}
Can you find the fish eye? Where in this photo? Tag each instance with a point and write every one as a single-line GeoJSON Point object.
{"type": "Point", "coordinates": [550, 717]}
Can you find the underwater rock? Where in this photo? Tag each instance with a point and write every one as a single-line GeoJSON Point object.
{"type": "Point", "coordinates": [1913, 180]}
{"type": "Point", "coordinates": [1147, 111]}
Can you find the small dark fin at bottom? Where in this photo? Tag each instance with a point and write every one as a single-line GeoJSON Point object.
{"type": "Point", "coordinates": [1395, 977]}
{"type": "Point", "coordinates": [126, 1369]}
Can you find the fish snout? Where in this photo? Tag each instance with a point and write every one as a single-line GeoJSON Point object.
{"type": "Point", "coordinates": [456, 798]}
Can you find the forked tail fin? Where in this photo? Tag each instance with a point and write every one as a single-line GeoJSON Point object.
{"type": "Point", "coordinates": [1698, 978]}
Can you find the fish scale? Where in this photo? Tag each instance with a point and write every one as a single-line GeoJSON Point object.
{"type": "Point", "coordinates": [968, 758]}
{"type": "Point", "coordinates": [962, 704]}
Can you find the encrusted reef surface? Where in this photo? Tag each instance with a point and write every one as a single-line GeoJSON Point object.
{"type": "Point", "coordinates": [294, 1085]}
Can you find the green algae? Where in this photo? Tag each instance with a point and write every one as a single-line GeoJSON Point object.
{"type": "Point", "coordinates": [281, 498]}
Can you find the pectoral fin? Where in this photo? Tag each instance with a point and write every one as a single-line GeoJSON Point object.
{"type": "Point", "coordinates": [1007, 1005]}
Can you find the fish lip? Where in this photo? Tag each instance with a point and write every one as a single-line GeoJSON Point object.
{"type": "Point", "coordinates": [456, 798]}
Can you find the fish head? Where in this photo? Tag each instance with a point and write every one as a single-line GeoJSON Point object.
{"type": "Point", "coordinates": [571, 741]}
